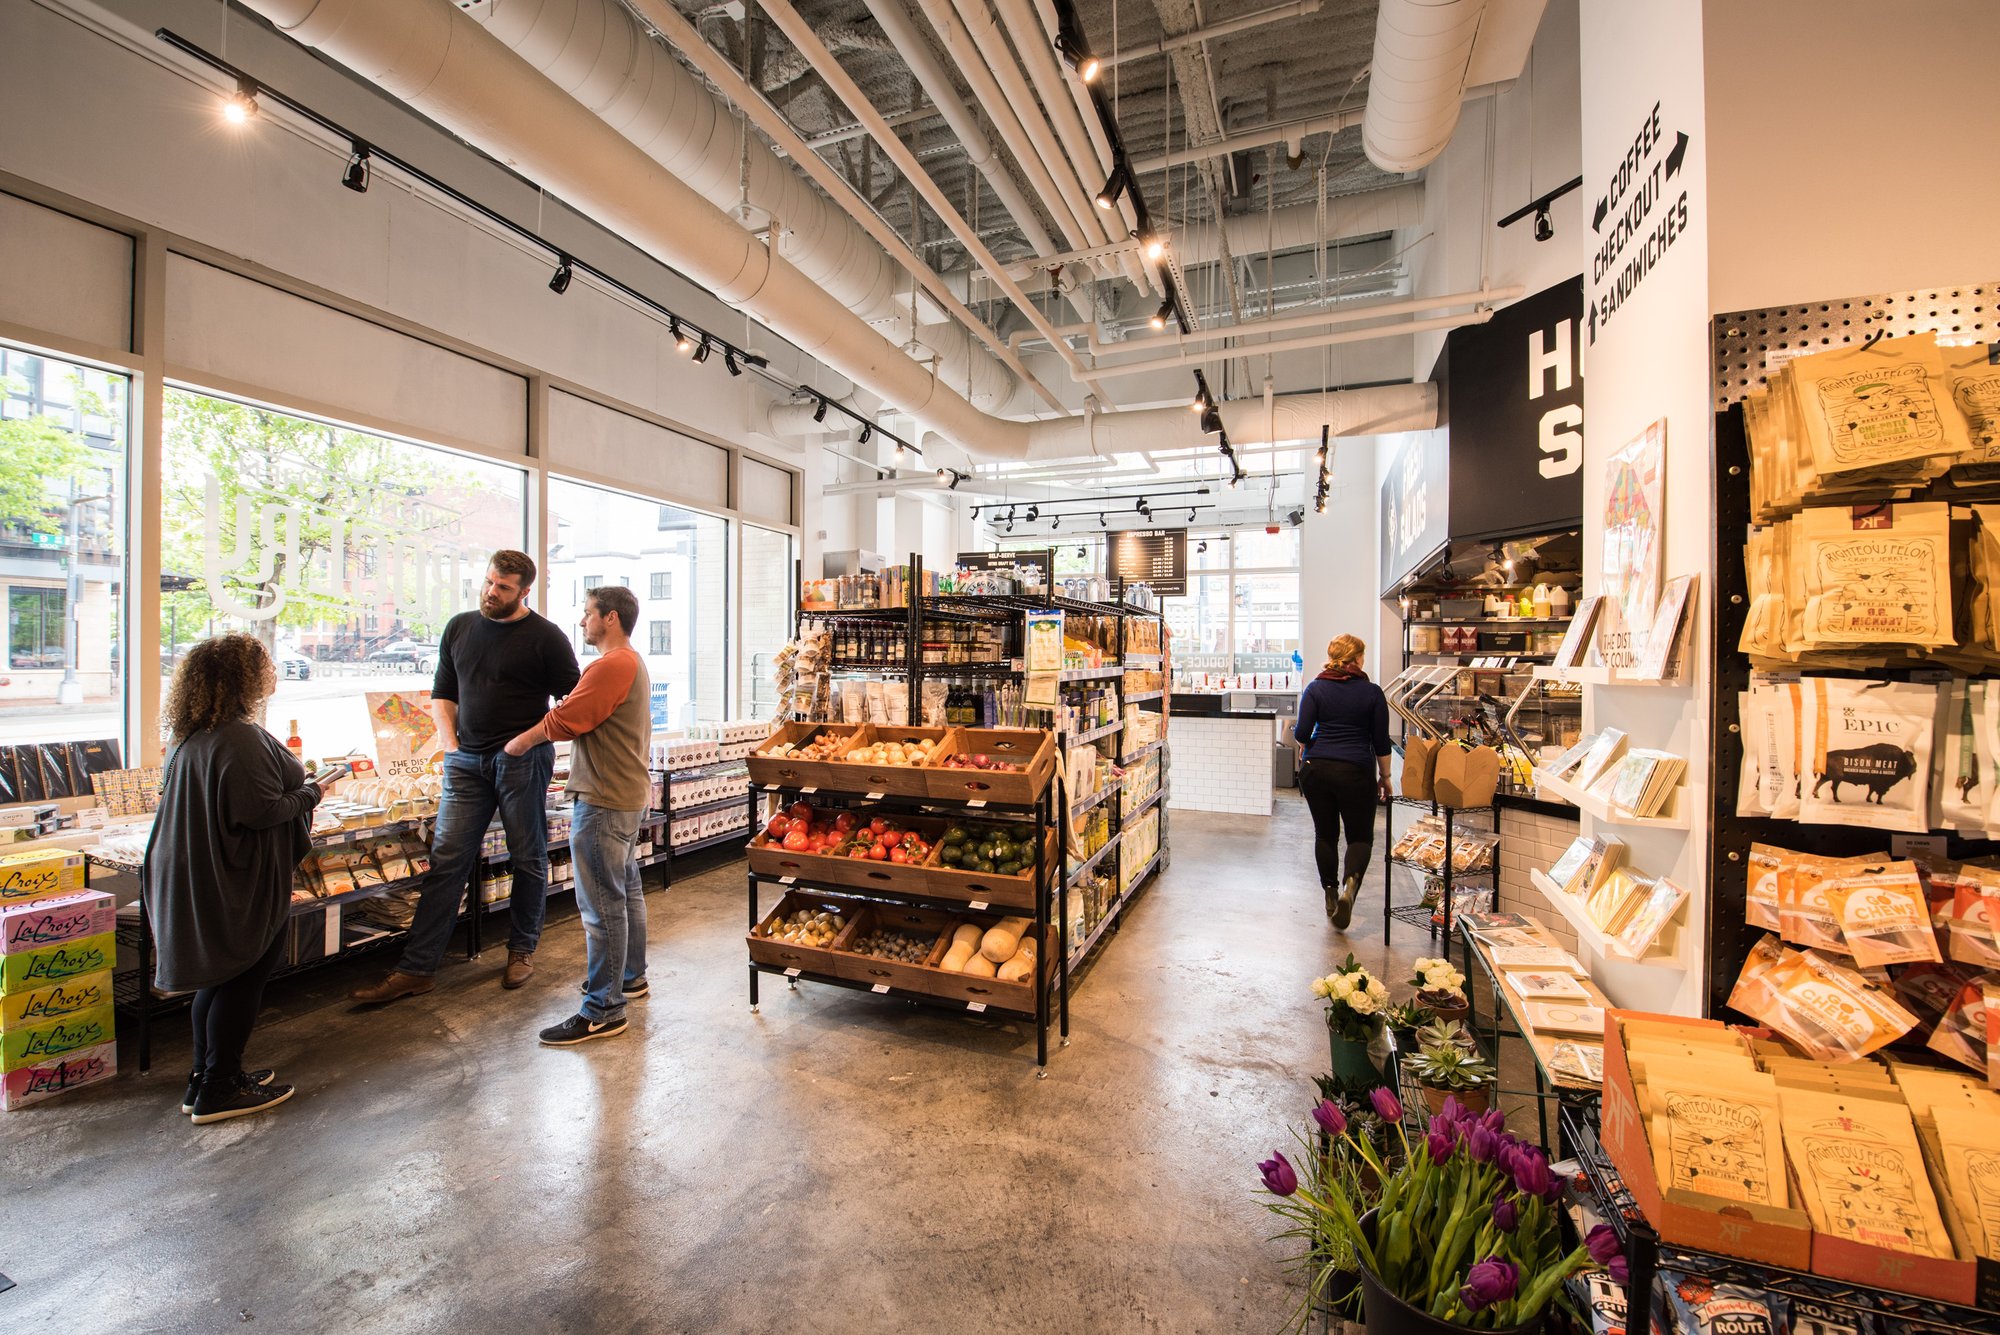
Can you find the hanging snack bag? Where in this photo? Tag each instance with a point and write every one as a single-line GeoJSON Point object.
{"type": "Point", "coordinates": [1990, 994]}
{"type": "Point", "coordinates": [1882, 914]}
{"type": "Point", "coordinates": [1930, 989]}
{"type": "Point", "coordinates": [1784, 750]}
{"type": "Point", "coordinates": [1803, 1316]}
{"type": "Point", "coordinates": [1965, 790]}
{"type": "Point", "coordinates": [1826, 1008]}
{"type": "Point", "coordinates": [1880, 410]}
{"type": "Point", "coordinates": [1971, 938]}
{"type": "Point", "coordinates": [1961, 1033]}
{"type": "Point", "coordinates": [1703, 1307]}
{"type": "Point", "coordinates": [1871, 740]}
{"type": "Point", "coordinates": [1973, 381]}
{"type": "Point", "coordinates": [1874, 575]}
{"type": "Point", "coordinates": [1760, 905]}
{"type": "Point", "coordinates": [1805, 918]}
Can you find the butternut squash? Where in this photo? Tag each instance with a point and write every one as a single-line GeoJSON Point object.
{"type": "Point", "coordinates": [955, 958]}
{"type": "Point", "coordinates": [1021, 968]}
{"type": "Point", "coordinates": [969, 935]}
{"type": "Point", "coordinates": [1003, 939]}
{"type": "Point", "coordinates": [979, 966]}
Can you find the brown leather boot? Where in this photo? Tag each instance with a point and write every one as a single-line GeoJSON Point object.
{"type": "Point", "coordinates": [396, 985]}
{"type": "Point", "coordinates": [520, 967]}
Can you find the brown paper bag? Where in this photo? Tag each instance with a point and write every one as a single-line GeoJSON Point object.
{"type": "Point", "coordinates": [1419, 767]}
{"type": "Point", "coordinates": [1466, 778]}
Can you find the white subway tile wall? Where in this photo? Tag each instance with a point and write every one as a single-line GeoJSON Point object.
{"type": "Point", "coordinates": [1220, 764]}
{"type": "Point", "coordinates": [1531, 840]}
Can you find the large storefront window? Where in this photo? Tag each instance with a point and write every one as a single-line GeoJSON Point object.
{"type": "Point", "coordinates": [62, 572]}
{"type": "Point", "coordinates": [598, 536]}
{"type": "Point", "coordinates": [767, 616]}
{"type": "Point", "coordinates": [1241, 617]}
{"type": "Point", "coordinates": [344, 551]}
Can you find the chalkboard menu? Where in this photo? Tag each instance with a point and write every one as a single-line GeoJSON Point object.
{"type": "Point", "coordinates": [1043, 561]}
{"type": "Point", "coordinates": [1156, 557]}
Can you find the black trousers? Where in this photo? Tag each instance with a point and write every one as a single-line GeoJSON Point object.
{"type": "Point", "coordinates": [1339, 792]}
{"type": "Point", "coordinates": [225, 1014]}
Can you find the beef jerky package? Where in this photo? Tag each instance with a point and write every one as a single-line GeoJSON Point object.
{"type": "Point", "coordinates": [1973, 381]}
{"type": "Point", "coordinates": [1930, 989]}
{"type": "Point", "coordinates": [1872, 742]}
{"type": "Point", "coordinates": [1783, 749]}
{"type": "Point", "coordinates": [1961, 1034]}
{"type": "Point", "coordinates": [1764, 626]}
{"type": "Point", "coordinates": [1823, 1006]}
{"type": "Point", "coordinates": [1883, 915]}
{"type": "Point", "coordinates": [1753, 714]}
{"type": "Point", "coordinates": [1703, 1307]}
{"type": "Point", "coordinates": [1874, 575]}
{"type": "Point", "coordinates": [1879, 411]}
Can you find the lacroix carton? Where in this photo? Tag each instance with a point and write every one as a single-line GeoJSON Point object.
{"type": "Point", "coordinates": [49, 922]}
{"type": "Point", "coordinates": [33, 969]}
{"type": "Point", "coordinates": [39, 874]}
{"type": "Point", "coordinates": [40, 1044]}
{"type": "Point", "coordinates": [45, 1080]}
{"type": "Point", "coordinates": [23, 1009]}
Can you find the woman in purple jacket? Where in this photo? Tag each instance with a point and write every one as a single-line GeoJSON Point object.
{"type": "Point", "coordinates": [1343, 725]}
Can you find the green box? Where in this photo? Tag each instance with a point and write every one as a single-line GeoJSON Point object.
{"type": "Point", "coordinates": [52, 964]}
{"type": "Point", "coordinates": [38, 1045]}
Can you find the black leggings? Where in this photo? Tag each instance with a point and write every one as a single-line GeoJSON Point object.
{"type": "Point", "coordinates": [1340, 792]}
{"type": "Point", "coordinates": [225, 1014]}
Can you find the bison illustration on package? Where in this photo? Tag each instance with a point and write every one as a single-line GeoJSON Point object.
{"type": "Point", "coordinates": [1877, 768]}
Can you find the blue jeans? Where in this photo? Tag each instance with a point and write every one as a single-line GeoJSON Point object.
{"type": "Point", "coordinates": [476, 784]}
{"type": "Point", "coordinates": [612, 902]}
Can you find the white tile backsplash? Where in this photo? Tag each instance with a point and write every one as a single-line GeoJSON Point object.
{"type": "Point", "coordinates": [1220, 764]}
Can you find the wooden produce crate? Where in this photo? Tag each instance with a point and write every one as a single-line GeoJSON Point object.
{"type": "Point", "coordinates": [1033, 748]}
{"type": "Point", "coordinates": [888, 780]}
{"type": "Point", "coordinates": [769, 857]}
{"type": "Point", "coordinates": [783, 771]}
{"type": "Point", "coordinates": [764, 949]}
{"type": "Point", "coordinates": [991, 991]}
{"type": "Point", "coordinates": [1014, 892]}
{"type": "Point", "coordinates": [886, 917]}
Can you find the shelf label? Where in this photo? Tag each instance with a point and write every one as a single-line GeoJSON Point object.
{"type": "Point", "coordinates": [874, 797]}
{"type": "Point", "coordinates": [879, 987]}
{"type": "Point", "coordinates": [976, 905]}
{"type": "Point", "coordinates": [332, 939]}
{"type": "Point", "coordinates": [812, 789]}
{"type": "Point", "coordinates": [976, 802]}
{"type": "Point", "coordinates": [791, 973]}
{"type": "Point", "coordinates": [788, 880]}
{"type": "Point", "coordinates": [975, 1006]}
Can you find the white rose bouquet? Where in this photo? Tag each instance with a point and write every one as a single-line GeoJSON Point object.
{"type": "Point", "coordinates": [1438, 984]}
{"type": "Point", "coordinates": [1356, 1002]}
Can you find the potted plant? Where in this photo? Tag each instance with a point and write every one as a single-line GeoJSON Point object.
{"type": "Point", "coordinates": [1447, 1063]}
{"type": "Point", "coordinates": [1404, 1018]}
{"type": "Point", "coordinates": [1441, 989]}
{"type": "Point", "coordinates": [1356, 1002]}
{"type": "Point", "coordinates": [1464, 1235]}
{"type": "Point", "coordinates": [1330, 1164]}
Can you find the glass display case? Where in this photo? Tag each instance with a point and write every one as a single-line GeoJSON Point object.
{"type": "Point", "coordinates": [1505, 707]}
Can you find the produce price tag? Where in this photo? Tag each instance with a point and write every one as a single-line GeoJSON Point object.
{"type": "Point", "coordinates": [791, 973]}
{"type": "Point", "coordinates": [1018, 664]}
{"type": "Point", "coordinates": [976, 802]}
{"type": "Point", "coordinates": [879, 987]}
{"type": "Point", "coordinates": [812, 789]}
{"type": "Point", "coordinates": [874, 797]}
{"type": "Point", "coordinates": [975, 1006]}
{"type": "Point", "coordinates": [976, 904]}
{"type": "Point", "coordinates": [788, 880]}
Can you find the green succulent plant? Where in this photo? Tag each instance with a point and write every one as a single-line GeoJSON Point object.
{"type": "Point", "coordinates": [1447, 1059]}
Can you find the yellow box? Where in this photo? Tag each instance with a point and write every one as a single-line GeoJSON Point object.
{"type": "Point", "coordinates": [67, 997]}
{"type": "Point", "coordinates": [39, 874]}
{"type": "Point", "coordinates": [52, 1040]}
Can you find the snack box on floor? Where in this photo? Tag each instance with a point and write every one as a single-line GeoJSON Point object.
{"type": "Point", "coordinates": [60, 1075]}
{"type": "Point", "coordinates": [34, 924]}
{"type": "Point", "coordinates": [41, 1043]}
{"type": "Point", "coordinates": [32, 969]}
{"type": "Point", "coordinates": [39, 874]}
{"type": "Point", "coordinates": [21, 1009]}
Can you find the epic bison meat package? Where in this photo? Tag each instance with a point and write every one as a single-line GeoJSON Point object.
{"type": "Point", "coordinates": [1868, 752]}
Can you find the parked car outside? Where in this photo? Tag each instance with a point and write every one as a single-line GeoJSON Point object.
{"type": "Point", "coordinates": [294, 667]}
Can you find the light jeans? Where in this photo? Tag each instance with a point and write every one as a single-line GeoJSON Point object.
{"type": "Point", "coordinates": [612, 902]}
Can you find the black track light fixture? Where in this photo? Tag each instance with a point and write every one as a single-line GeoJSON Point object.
{"type": "Point", "coordinates": [819, 414]}
{"type": "Point", "coordinates": [1055, 522]}
{"type": "Point", "coordinates": [1545, 226]}
{"type": "Point", "coordinates": [901, 455]}
{"type": "Point", "coordinates": [1083, 553]}
{"type": "Point", "coordinates": [867, 433]}
{"type": "Point", "coordinates": [1077, 55]}
{"type": "Point", "coordinates": [1202, 398]}
{"type": "Point", "coordinates": [683, 341]}
{"type": "Point", "coordinates": [1034, 513]}
{"type": "Point", "coordinates": [950, 477]}
{"type": "Point", "coordinates": [1190, 514]}
{"type": "Point", "coordinates": [729, 360]}
{"type": "Point", "coordinates": [1144, 508]}
{"type": "Point", "coordinates": [1162, 315]}
{"type": "Point", "coordinates": [1211, 420]}
{"type": "Point", "coordinates": [355, 178]}
{"type": "Point", "coordinates": [1538, 209]}
{"type": "Point", "coordinates": [1201, 546]}
{"type": "Point", "coordinates": [700, 353]}
{"type": "Point", "coordinates": [240, 107]}
{"type": "Point", "coordinates": [1114, 186]}
{"type": "Point", "coordinates": [1325, 443]}
{"type": "Point", "coordinates": [559, 283]}
{"type": "Point", "coordinates": [1100, 520]}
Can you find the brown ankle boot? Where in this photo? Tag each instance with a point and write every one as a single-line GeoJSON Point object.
{"type": "Point", "coordinates": [520, 967]}
{"type": "Point", "coordinates": [397, 984]}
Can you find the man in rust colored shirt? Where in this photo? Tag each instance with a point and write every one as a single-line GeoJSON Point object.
{"type": "Point", "coordinates": [608, 722]}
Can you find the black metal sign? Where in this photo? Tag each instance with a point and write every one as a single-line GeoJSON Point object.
{"type": "Point", "coordinates": [1156, 557]}
{"type": "Point", "coordinates": [1414, 496]}
{"type": "Point", "coordinates": [1043, 561]}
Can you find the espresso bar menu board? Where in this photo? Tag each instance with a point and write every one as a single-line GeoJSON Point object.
{"type": "Point", "coordinates": [1044, 561]}
{"type": "Point", "coordinates": [1156, 557]}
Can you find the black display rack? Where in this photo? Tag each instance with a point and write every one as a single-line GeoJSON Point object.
{"type": "Point", "coordinates": [1435, 921]}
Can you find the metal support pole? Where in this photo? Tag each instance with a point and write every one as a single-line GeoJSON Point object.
{"type": "Point", "coordinates": [750, 879]}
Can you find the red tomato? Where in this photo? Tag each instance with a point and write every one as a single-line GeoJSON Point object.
{"type": "Point", "coordinates": [799, 810]}
{"type": "Point", "coordinates": [796, 841]}
{"type": "Point", "coordinates": [899, 855]}
{"type": "Point", "coordinates": [877, 825]}
{"type": "Point", "coordinates": [879, 853]}
{"type": "Point", "coordinates": [778, 828]}
{"type": "Point", "coordinates": [846, 821]}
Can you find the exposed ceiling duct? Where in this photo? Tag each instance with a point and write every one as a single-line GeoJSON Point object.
{"type": "Point", "coordinates": [1427, 53]}
{"type": "Point", "coordinates": [432, 56]}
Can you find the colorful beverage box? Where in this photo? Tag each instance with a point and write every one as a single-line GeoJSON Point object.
{"type": "Point", "coordinates": [39, 874]}
{"type": "Point", "coordinates": [52, 1040]}
{"type": "Point", "coordinates": [23, 1009]}
{"type": "Point", "coordinates": [49, 922]}
{"type": "Point", "coordinates": [34, 969]}
{"type": "Point", "coordinates": [32, 1084]}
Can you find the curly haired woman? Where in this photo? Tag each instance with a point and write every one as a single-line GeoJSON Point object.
{"type": "Point", "coordinates": [1344, 726]}
{"type": "Point", "coordinates": [234, 821]}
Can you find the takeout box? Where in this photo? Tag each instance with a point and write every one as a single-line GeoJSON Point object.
{"type": "Point", "coordinates": [789, 772]}
{"type": "Point", "coordinates": [1688, 1218]}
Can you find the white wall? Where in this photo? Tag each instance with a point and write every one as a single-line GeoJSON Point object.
{"type": "Point", "coordinates": [1337, 560]}
{"type": "Point", "coordinates": [1886, 179]}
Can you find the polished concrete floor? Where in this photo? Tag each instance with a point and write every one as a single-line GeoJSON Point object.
{"type": "Point", "coordinates": [834, 1163]}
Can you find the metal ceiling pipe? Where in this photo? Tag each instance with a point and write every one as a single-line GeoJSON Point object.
{"type": "Point", "coordinates": [1490, 296]}
{"type": "Point", "coordinates": [960, 363]}
{"type": "Point", "coordinates": [1197, 357]}
{"type": "Point", "coordinates": [1223, 29]}
{"type": "Point", "coordinates": [1416, 82]}
{"type": "Point", "coordinates": [1297, 227]}
{"type": "Point", "coordinates": [1284, 132]}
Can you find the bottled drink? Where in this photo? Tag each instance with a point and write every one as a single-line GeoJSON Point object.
{"type": "Point", "coordinates": [294, 744]}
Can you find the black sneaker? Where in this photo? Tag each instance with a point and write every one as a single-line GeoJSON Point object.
{"type": "Point", "coordinates": [580, 1029]}
{"type": "Point", "coordinates": [194, 1086]}
{"type": "Point", "coordinates": [235, 1098]}
{"type": "Point", "coordinates": [636, 990]}
{"type": "Point", "coordinates": [1343, 912]}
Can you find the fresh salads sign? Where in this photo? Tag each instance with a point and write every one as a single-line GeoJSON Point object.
{"type": "Point", "coordinates": [1415, 497]}
{"type": "Point", "coordinates": [1641, 212]}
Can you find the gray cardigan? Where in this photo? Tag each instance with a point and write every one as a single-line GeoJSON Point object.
{"type": "Point", "coordinates": [234, 821]}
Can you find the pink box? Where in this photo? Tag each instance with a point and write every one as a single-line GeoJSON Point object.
{"type": "Point", "coordinates": [32, 1084]}
{"type": "Point", "coordinates": [49, 922]}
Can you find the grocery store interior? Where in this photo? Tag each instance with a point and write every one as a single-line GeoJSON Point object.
{"type": "Point", "coordinates": [1057, 451]}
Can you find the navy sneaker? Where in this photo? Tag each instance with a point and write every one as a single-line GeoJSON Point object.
{"type": "Point", "coordinates": [580, 1029]}
{"type": "Point", "coordinates": [235, 1098]}
{"type": "Point", "coordinates": [194, 1086]}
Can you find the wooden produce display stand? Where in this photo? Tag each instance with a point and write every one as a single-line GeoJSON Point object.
{"type": "Point", "coordinates": [922, 899]}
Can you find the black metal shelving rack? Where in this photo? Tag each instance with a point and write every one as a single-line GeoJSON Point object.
{"type": "Point", "coordinates": [1051, 900]}
{"type": "Point", "coordinates": [1009, 608]}
{"type": "Point", "coordinates": [1435, 921]}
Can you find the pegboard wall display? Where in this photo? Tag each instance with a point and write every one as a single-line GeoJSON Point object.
{"type": "Point", "coordinates": [1747, 345]}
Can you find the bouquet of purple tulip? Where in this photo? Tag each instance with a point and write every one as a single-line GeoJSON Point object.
{"type": "Point", "coordinates": [1466, 1230]}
